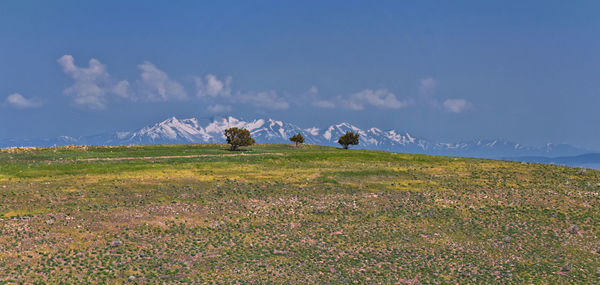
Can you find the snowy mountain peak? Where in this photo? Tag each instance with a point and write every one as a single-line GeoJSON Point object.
{"type": "Point", "coordinates": [313, 131]}
{"type": "Point", "coordinates": [375, 131]}
{"type": "Point", "coordinates": [174, 130]}
{"type": "Point", "coordinates": [274, 122]}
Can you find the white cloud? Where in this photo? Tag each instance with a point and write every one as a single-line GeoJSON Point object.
{"type": "Point", "coordinates": [312, 95]}
{"type": "Point", "coordinates": [90, 86]}
{"type": "Point", "coordinates": [156, 85]}
{"type": "Point", "coordinates": [93, 84]}
{"type": "Point", "coordinates": [427, 90]}
{"type": "Point", "coordinates": [123, 90]}
{"type": "Point", "coordinates": [380, 98]}
{"type": "Point", "coordinates": [457, 105]}
{"type": "Point", "coordinates": [266, 99]}
{"type": "Point", "coordinates": [211, 86]}
{"type": "Point", "coordinates": [17, 100]}
{"type": "Point", "coordinates": [219, 109]}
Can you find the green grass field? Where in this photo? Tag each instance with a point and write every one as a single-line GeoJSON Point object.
{"type": "Point", "coordinates": [276, 214]}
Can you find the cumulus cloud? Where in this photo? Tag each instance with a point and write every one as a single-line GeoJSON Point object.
{"type": "Point", "coordinates": [218, 91]}
{"type": "Point", "coordinates": [457, 105]}
{"type": "Point", "coordinates": [90, 84]}
{"type": "Point", "coordinates": [384, 99]}
{"type": "Point", "coordinates": [381, 98]}
{"type": "Point", "coordinates": [18, 101]}
{"type": "Point", "coordinates": [211, 86]}
{"type": "Point", "coordinates": [123, 90]}
{"type": "Point", "coordinates": [266, 99]}
{"type": "Point", "coordinates": [93, 84]}
{"type": "Point", "coordinates": [155, 84]}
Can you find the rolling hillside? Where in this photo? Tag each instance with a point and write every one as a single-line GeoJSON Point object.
{"type": "Point", "coordinates": [275, 214]}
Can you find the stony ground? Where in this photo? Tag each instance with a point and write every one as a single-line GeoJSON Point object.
{"type": "Point", "coordinates": [277, 214]}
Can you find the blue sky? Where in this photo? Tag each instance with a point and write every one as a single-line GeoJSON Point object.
{"type": "Point", "coordinates": [526, 71]}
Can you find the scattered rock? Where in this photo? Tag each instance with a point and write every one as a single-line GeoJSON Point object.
{"type": "Point", "coordinates": [115, 243]}
{"type": "Point", "coordinates": [142, 255]}
{"type": "Point", "coordinates": [523, 162]}
{"type": "Point", "coordinates": [131, 278]}
{"type": "Point", "coordinates": [276, 251]}
{"type": "Point", "coordinates": [507, 239]}
{"type": "Point", "coordinates": [412, 281]}
{"type": "Point", "coordinates": [319, 210]}
{"type": "Point", "coordinates": [566, 268]}
{"type": "Point", "coordinates": [598, 250]}
{"type": "Point", "coordinates": [582, 171]}
{"type": "Point", "coordinates": [50, 221]}
{"type": "Point", "coordinates": [598, 271]}
{"type": "Point", "coordinates": [573, 229]}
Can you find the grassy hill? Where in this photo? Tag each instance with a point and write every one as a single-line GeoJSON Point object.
{"type": "Point", "coordinates": [272, 213]}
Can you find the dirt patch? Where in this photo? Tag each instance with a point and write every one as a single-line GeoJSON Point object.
{"type": "Point", "coordinates": [173, 156]}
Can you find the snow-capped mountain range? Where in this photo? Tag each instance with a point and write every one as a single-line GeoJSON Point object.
{"type": "Point", "coordinates": [177, 131]}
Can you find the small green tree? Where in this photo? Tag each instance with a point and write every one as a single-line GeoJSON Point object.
{"type": "Point", "coordinates": [297, 138]}
{"type": "Point", "coordinates": [238, 137]}
{"type": "Point", "coordinates": [349, 138]}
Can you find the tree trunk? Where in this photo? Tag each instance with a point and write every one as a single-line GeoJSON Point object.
{"type": "Point", "coordinates": [233, 147]}
{"type": "Point", "coordinates": [296, 144]}
{"type": "Point", "coordinates": [345, 146]}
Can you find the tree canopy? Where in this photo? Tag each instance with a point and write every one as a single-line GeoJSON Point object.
{"type": "Point", "coordinates": [297, 138]}
{"type": "Point", "coordinates": [349, 138]}
{"type": "Point", "coordinates": [237, 137]}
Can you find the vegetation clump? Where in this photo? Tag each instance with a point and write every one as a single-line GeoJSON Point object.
{"type": "Point", "coordinates": [237, 137]}
{"type": "Point", "coordinates": [297, 138]}
{"type": "Point", "coordinates": [349, 138]}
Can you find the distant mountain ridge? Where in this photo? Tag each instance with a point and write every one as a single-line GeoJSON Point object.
{"type": "Point", "coordinates": [178, 131]}
{"type": "Point", "coordinates": [588, 160]}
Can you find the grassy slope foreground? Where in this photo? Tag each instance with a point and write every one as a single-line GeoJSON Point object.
{"type": "Point", "coordinates": [282, 215]}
